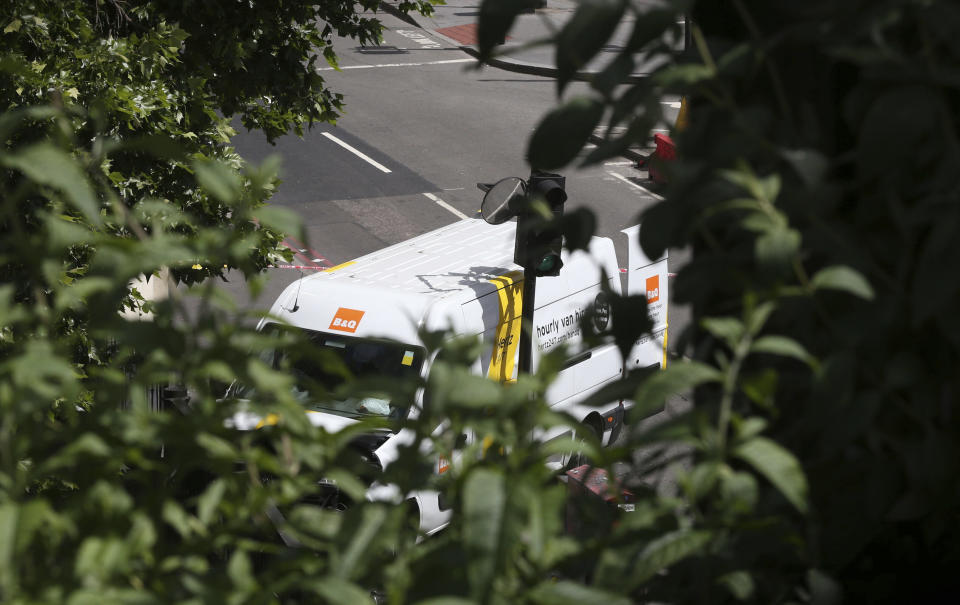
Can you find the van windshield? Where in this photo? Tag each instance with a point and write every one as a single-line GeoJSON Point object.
{"type": "Point", "coordinates": [333, 360]}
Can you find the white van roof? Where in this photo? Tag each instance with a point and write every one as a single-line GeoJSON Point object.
{"type": "Point", "coordinates": [425, 281]}
{"type": "Point", "coordinates": [442, 263]}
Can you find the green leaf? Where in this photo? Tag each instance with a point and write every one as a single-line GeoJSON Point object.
{"type": "Point", "coordinates": [739, 491]}
{"type": "Point", "coordinates": [348, 483]}
{"type": "Point", "coordinates": [281, 219]}
{"type": "Point", "coordinates": [769, 188]}
{"type": "Point", "coordinates": [781, 345]}
{"type": "Point", "coordinates": [701, 479]}
{"type": "Point", "coordinates": [178, 518]}
{"type": "Point", "coordinates": [582, 37]}
{"type": "Point", "coordinates": [684, 75]}
{"type": "Point", "coordinates": [809, 164]}
{"type": "Point", "coordinates": [777, 248]}
{"type": "Point", "coordinates": [650, 25]}
{"type": "Point", "coordinates": [158, 145]}
{"type": "Point", "coordinates": [217, 447]}
{"type": "Point", "coordinates": [339, 591]}
{"type": "Point", "coordinates": [757, 316]}
{"type": "Point", "coordinates": [85, 446]}
{"type": "Point", "coordinates": [760, 386]}
{"type": "Point", "coordinates": [456, 386]}
{"type": "Point", "coordinates": [221, 181]}
{"type": "Point", "coordinates": [48, 165]}
{"type": "Point", "coordinates": [739, 583]}
{"type": "Point", "coordinates": [484, 504]}
{"type": "Point", "coordinates": [779, 466]}
{"type": "Point", "coordinates": [11, 120]}
{"type": "Point", "coordinates": [666, 550]}
{"type": "Point", "coordinates": [677, 377]}
{"type": "Point", "coordinates": [824, 590]}
{"type": "Point", "coordinates": [727, 329]}
{"type": "Point", "coordinates": [494, 21]}
{"type": "Point", "coordinates": [744, 176]}
{"type": "Point", "coordinates": [240, 571]}
{"type": "Point", "coordinates": [562, 133]}
{"type": "Point", "coordinates": [9, 513]}
{"type": "Point", "coordinates": [748, 427]}
{"type": "Point", "coordinates": [566, 592]}
{"type": "Point", "coordinates": [210, 499]}
{"type": "Point", "coordinates": [842, 277]}
{"type": "Point", "coordinates": [371, 524]}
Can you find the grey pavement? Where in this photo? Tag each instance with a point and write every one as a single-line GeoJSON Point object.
{"type": "Point", "coordinates": [455, 22]}
{"type": "Point", "coordinates": [526, 49]}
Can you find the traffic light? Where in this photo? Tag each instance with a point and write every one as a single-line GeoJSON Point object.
{"type": "Point", "coordinates": [540, 240]}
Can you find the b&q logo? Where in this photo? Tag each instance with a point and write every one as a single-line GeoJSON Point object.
{"type": "Point", "coordinates": [346, 320]}
{"type": "Point", "coordinates": [653, 289]}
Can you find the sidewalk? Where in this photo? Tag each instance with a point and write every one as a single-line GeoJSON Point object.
{"type": "Point", "coordinates": [456, 21]}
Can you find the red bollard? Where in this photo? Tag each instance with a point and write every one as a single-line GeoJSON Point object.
{"type": "Point", "coordinates": [665, 153]}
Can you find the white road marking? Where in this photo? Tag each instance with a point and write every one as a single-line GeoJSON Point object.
{"type": "Point", "coordinates": [417, 64]}
{"type": "Point", "coordinates": [627, 163]}
{"type": "Point", "coordinates": [632, 184]}
{"type": "Point", "coordinates": [358, 153]}
{"type": "Point", "coordinates": [445, 205]}
{"type": "Point", "coordinates": [674, 104]}
{"type": "Point", "coordinates": [419, 38]}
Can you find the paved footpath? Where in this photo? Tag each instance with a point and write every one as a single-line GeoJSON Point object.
{"type": "Point", "coordinates": [456, 22]}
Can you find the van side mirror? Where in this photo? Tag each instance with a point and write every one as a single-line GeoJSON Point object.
{"type": "Point", "coordinates": [501, 201]}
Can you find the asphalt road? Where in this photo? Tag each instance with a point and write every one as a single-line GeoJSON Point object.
{"type": "Point", "coordinates": [421, 127]}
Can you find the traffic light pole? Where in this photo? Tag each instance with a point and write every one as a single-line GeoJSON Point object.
{"type": "Point", "coordinates": [538, 242]}
{"type": "Point", "coordinates": [526, 323]}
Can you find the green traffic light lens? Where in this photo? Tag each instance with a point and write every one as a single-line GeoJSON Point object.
{"type": "Point", "coordinates": [548, 263]}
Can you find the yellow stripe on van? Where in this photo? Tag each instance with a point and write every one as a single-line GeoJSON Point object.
{"type": "Point", "coordinates": [268, 420]}
{"type": "Point", "coordinates": [664, 365]}
{"type": "Point", "coordinates": [506, 336]}
{"type": "Point", "coordinates": [340, 266]}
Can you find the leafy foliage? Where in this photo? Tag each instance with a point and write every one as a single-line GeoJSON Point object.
{"type": "Point", "coordinates": [816, 187]}
{"type": "Point", "coordinates": [817, 196]}
{"type": "Point", "coordinates": [174, 75]}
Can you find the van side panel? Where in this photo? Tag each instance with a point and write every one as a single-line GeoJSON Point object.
{"type": "Point", "coordinates": [562, 303]}
{"type": "Point", "coordinates": [649, 278]}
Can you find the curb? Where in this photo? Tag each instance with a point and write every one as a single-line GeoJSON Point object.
{"type": "Point", "coordinates": [537, 69]}
{"type": "Point", "coordinates": [630, 154]}
{"type": "Point", "coordinates": [399, 14]}
{"type": "Point", "coordinates": [520, 67]}
{"type": "Point", "coordinates": [530, 69]}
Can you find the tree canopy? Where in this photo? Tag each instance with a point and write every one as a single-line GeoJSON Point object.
{"type": "Point", "coordinates": [815, 186]}
{"type": "Point", "coordinates": [177, 74]}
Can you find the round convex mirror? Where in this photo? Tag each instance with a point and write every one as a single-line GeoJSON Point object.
{"type": "Point", "coordinates": [498, 206]}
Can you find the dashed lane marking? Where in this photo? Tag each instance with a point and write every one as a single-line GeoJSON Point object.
{"type": "Point", "coordinates": [632, 184]}
{"type": "Point", "coordinates": [445, 205]}
{"type": "Point", "coordinates": [415, 64]}
{"type": "Point", "coordinates": [358, 153]}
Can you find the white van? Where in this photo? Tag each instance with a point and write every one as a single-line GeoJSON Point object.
{"type": "Point", "coordinates": [462, 278]}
